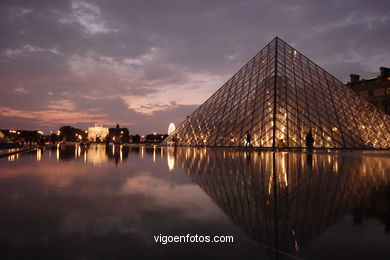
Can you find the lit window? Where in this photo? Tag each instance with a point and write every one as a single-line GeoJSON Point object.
{"type": "Point", "coordinates": [387, 91]}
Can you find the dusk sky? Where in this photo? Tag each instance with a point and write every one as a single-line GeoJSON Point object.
{"type": "Point", "coordinates": [144, 64]}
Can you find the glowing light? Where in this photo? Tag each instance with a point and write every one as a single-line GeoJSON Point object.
{"type": "Point", "coordinates": [270, 184]}
{"type": "Point", "coordinates": [39, 132]}
{"type": "Point", "coordinates": [296, 245]}
{"type": "Point", "coordinates": [170, 160]}
{"type": "Point", "coordinates": [171, 128]}
{"type": "Point", "coordinates": [13, 157]}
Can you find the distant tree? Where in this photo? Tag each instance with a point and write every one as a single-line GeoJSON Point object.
{"type": "Point", "coordinates": [155, 138]}
{"type": "Point", "coordinates": [69, 133]}
{"type": "Point", "coordinates": [30, 136]}
{"type": "Point", "coordinates": [53, 138]}
{"type": "Point", "coordinates": [23, 136]}
{"type": "Point", "coordinates": [121, 134]}
{"type": "Point", "coordinates": [125, 135]}
{"type": "Point", "coordinates": [136, 139]}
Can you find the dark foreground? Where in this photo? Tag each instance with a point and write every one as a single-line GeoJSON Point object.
{"type": "Point", "coordinates": [110, 202]}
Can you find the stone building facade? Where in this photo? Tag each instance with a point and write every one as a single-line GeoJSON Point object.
{"type": "Point", "coordinates": [97, 133]}
{"type": "Point", "coordinates": [376, 90]}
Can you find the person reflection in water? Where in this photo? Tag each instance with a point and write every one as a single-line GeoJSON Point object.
{"type": "Point", "coordinates": [309, 140]}
{"type": "Point", "coordinates": [248, 157]}
{"type": "Point", "coordinates": [309, 160]}
{"type": "Point", "coordinates": [248, 140]}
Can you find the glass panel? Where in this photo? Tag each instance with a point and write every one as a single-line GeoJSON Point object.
{"type": "Point", "coordinates": [281, 94]}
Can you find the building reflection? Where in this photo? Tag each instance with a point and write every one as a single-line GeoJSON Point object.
{"type": "Point", "coordinates": [13, 157]}
{"type": "Point", "coordinates": [101, 153]}
{"type": "Point", "coordinates": [284, 200]}
{"type": "Point", "coordinates": [93, 154]}
{"type": "Point", "coordinates": [118, 153]}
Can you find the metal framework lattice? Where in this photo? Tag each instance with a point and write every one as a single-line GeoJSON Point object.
{"type": "Point", "coordinates": [281, 94]}
{"type": "Point", "coordinates": [286, 199]}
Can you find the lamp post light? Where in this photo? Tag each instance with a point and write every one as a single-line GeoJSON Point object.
{"type": "Point", "coordinates": [11, 135]}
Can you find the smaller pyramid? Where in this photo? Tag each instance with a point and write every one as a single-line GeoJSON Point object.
{"type": "Point", "coordinates": [282, 95]}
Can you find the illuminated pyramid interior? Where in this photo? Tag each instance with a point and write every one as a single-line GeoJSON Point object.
{"type": "Point", "coordinates": [281, 94]}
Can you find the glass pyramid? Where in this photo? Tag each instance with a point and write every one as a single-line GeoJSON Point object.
{"type": "Point", "coordinates": [281, 94]}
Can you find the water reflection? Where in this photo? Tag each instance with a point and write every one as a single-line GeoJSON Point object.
{"type": "Point", "coordinates": [284, 200]}
{"type": "Point", "coordinates": [171, 155]}
{"type": "Point", "coordinates": [13, 157]}
{"type": "Point", "coordinates": [93, 154]}
{"type": "Point", "coordinates": [100, 153]}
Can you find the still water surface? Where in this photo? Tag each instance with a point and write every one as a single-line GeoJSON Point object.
{"type": "Point", "coordinates": [68, 202]}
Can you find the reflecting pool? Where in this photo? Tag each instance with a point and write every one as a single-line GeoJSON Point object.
{"type": "Point", "coordinates": [110, 202]}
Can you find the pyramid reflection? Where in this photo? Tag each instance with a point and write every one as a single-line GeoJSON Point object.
{"type": "Point", "coordinates": [285, 200]}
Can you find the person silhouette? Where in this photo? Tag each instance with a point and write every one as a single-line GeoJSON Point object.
{"type": "Point", "coordinates": [248, 139]}
{"type": "Point", "coordinates": [309, 140]}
